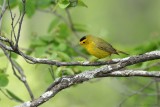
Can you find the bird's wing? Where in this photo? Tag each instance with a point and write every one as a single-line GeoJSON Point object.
{"type": "Point", "coordinates": [103, 45]}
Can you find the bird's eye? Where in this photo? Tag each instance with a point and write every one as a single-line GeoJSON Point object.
{"type": "Point", "coordinates": [83, 42]}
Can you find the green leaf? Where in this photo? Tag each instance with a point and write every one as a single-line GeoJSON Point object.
{"type": "Point", "coordinates": [47, 39]}
{"type": "Point", "coordinates": [58, 72]}
{"type": "Point", "coordinates": [30, 7]}
{"type": "Point", "coordinates": [30, 50]}
{"type": "Point", "coordinates": [144, 65]}
{"type": "Point", "coordinates": [54, 55]}
{"type": "Point", "coordinates": [2, 71]}
{"type": "Point", "coordinates": [40, 51]}
{"type": "Point", "coordinates": [1, 2]}
{"type": "Point", "coordinates": [80, 27]}
{"type": "Point", "coordinates": [20, 6]}
{"type": "Point", "coordinates": [63, 4]}
{"type": "Point", "coordinates": [1, 54]}
{"type": "Point", "coordinates": [148, 46]}
{"type": "Point", "coordinates": [63, 56]}
{"type": "Point", "coordinates": [3, 79]}
{"type": "Point", "coordinates": [38, 42]}
{"type": "Point", "coordinates": [79, 59]}
{"type": "Point", "coordinates": [73, 3]}
{"type": "Point", "coordinates": [13, 3]}
{"type": "Point", "coordinates": [14, 55]}
{"type": "Point", "coordinates": [43, 3]}
{"type": "Point", "coordinates": [63, 30]}
{"type": "Point", "coordinates": [53, 24]}
{"type": "Point", "coordinates": [63, 71]}
{"type": "Point", "coordinates": [81, 3]}
{"type": "Point", "coordinates": [68, 71]}
{"type": "Point", "coordinates": [16, 98]}
{"type": "Point", "coordinates": [62, 47]}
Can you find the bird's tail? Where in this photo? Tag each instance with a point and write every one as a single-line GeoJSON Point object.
{"type": "Point", "coordinates": [122, 52]}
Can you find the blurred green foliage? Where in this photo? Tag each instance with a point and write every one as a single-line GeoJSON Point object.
{"type": "Point", "coordinates": [132, 23]}
{"type": "Point", "coordinates": [3, 78]}
{"type": "Point", "coordinates": [14, 97]}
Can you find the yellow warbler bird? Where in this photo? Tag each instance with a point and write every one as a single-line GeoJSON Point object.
{"type": "Point", "coordinates": [98, 47]}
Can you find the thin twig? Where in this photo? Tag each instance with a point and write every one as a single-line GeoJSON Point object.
{"type": "Point", "coordinates": [12, 23]}
{"type": "Point", "coordinates": [2, 13]}
{"type": "Point", "coordinates": [158, 91]}
{"type": "Point", "coordinates": [152, 65]}
{"type": "Point", "coordinates": [71, 23]}
{"type": "Point", "coordinates": [5, 94]}
{"type": "Point", "coordinates": [51, 72]}
{"type": "Point", "coordinates": [54, 13]}
{"type": "Point", "coordinates": [3, 9]}
{"type": "Point", "coordinates": [20, 23]}
{"type": "Point", "coordinates": [10, 98]}
{"type": "Point", "coordinates": [135, 93]}
{"type": "Point", "coordinates": [21, 76]}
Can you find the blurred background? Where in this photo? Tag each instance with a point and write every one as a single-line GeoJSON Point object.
{"type": "Point", "coordinates": [129, 25]}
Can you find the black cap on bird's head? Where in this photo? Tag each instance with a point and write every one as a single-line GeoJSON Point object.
{"type": "Point", "coordinates": [83, 38]}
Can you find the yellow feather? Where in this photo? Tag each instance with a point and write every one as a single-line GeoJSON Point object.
{"type": "Point", "coordinates": [98, 47]}
{"type": "Point", "coordinates": [93, 50]}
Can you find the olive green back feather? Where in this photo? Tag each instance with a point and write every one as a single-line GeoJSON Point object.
{"type": "Point", "coordinates": [103, 45]}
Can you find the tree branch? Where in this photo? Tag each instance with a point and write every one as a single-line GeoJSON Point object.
{"type": "Point", "coordinates": [128, 60]}
{"type": "Point", "coordinates": [68, 81]}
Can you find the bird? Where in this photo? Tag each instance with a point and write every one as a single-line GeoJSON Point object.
{"type": "Point", "coordinates": [98, 47]}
